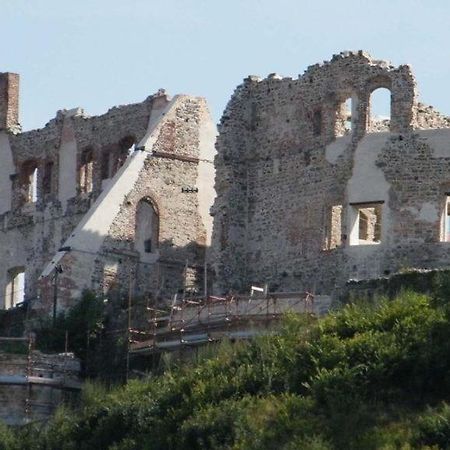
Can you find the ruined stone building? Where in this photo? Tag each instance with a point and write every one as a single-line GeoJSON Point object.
{"type": "Point", "coordinates": [313, 190]}
{"type": "Point", "coordinates": [104, 202]}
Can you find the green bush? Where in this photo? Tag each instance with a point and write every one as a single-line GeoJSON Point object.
{"type": "Point", "coordinates": [371, 376]}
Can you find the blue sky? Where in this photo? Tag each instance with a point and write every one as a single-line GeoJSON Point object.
{"type": "Point", "coordinates": [100, 53]}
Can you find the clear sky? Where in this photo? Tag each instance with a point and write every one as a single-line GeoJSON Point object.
{"type": "Point", "coordinates": [100, 53]}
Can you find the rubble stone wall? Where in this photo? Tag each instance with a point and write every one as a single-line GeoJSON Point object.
{"type": "Point", "coordinates": [287, 159]}
{"type": "Point", "coordinates": [69, 167]}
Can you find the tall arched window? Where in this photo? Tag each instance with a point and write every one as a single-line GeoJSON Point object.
{"type": "Point", "coordinates": [147, 227]}
{"type": "Point", "coordinates": [379, 110]}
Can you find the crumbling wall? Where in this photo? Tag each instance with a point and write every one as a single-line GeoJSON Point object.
{"type": "Point", "coordinates": [58, 175]}
{"type": "Point", "coordinates": [288, 154]}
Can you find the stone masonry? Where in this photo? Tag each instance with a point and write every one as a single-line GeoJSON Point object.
{"type": "Point", "coordinates": [312, 193]}
{"type": "Point", "coordinates": [109, 203]}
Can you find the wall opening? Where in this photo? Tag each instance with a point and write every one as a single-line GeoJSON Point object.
{"type": "Point", "coordinates": [317, 122]}
{"type": "Point", "coordinates": [33, 191]}
{"type": "Point", "coordinates": [15, 289]}
{"type": "Point", "coordinates": [379, 110]}
{"type": "Point", "coordinates": [147, 227]}
{"type": "Point", "coordinates": [114, 156]}
{"type": "Point", "coordinates": [333, 228]}
{"type": "Point", "coordinates": [29, 181]}
{"type": "Point", "coordinates": [86, 171]}
{"type": "Point", "coordinates": [445, 237]}
{"type": "Point", "coordinates": [367, 224]}
{"type": "Point", "coordinates": [345, 117]}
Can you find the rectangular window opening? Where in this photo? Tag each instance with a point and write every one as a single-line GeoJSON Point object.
{"type": "Point", "coordinates": [32, 186]}
{"type": "Point", "coordinates": [446, 231]}
{"type": "Point", "coordinates": [148, 246]}
{"type": "Point", "coordinates": [15, 290]}
{"type": "Point", "coordinates": [367, 226]}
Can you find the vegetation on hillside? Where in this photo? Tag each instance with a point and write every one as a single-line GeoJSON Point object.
{"type": "Point", "coordinates": [370, 376]}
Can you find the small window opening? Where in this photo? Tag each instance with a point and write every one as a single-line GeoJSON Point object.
{"type": "Point", "coordinates": [446, 231]}
{"type": "Point", "coordinates": [147, 227]}
{"type": "Point", "coordinates": [29, 176]}
{"type": "Point", "coordinates": [317, 122]}
{"type": "Point", "coordinates": [32, 192]}
{"type": "Point", "coordinates": [15, 290]}
{"type": "Point", "coordinates": [345, 117]}
{"type": "Point", "coordinates": [333, 228]}
{"type": "Point", "coordinates": [86, 171]}
{"type": "Point", "coordinates": [148, 246]}
{"type": "Point", "coordinates": [367, 227]}
{"type": "Point", "coordinates": [379, 110]}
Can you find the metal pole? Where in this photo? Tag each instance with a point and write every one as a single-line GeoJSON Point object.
{"type": "Point", "coordinates": [185, 279]}
{"type": "Point", "coordinates": [129, 326]}
{"type": "Point", "coordinates": [55, 294]}
{"type": "Point", "coordinates": [205, 280]}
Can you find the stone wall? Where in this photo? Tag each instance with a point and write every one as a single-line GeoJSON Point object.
{"type": "Point", "coordinates": [289, 158]}
{"type": "Point", "coordinates": [9, 101]}
{"type": "Point", "coordinates": [24, 396]}
{"type": "Point", "coordinates": [76, 183]}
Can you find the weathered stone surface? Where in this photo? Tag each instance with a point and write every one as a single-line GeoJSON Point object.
{"type": "Point", "coordinates": [293, 181]}
{"type": "Point", "coordinates": [23, 400]}
{"type": "Point", "coordinates": [76, 184]}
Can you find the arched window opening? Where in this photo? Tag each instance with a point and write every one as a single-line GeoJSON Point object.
{"type": "Point", "coordinates": [29, 182]}
{"type": "Point", "coordinates": [379, 110]}
{"type": "Point", "coordinates": [147, 227]}
{"type": "Point", "coordinates": [86, 171]}
{"type": "Point", "coordinates": [114, 156]}
{"type": "Point", "coordinates": [15, 289]}
{"type": "Point", "coordinates": [345, 117]}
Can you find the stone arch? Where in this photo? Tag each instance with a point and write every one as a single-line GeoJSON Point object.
{"type": "Point", "coordinates": [147, 224]}
{"type": "Point", "coordinates": [379, 85]}
{"type": "Point", "coordinates": [346, 113]}
{"type": "Point", "coordinates": [113, 156]}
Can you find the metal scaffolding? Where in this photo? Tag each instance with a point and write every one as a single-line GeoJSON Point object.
{"type": "Point", "coordinates": [196, 321]}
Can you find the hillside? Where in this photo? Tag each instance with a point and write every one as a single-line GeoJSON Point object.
{"type": "Point", "coordinates": [370, 376]}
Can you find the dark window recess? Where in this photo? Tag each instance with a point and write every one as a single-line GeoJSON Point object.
{"type": "Point", "coordinates": [148, 246]}
{"type": "Point", "coordinates": [317, 123]}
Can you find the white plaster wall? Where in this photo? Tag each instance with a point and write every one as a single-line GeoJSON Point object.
{"type": "Point", "coordinates": [6, 169]}
{"type": "Point", "coordinates": [206, 172]}
{"type": "Point", "coordinates": [438, 140]}
{"type": "Point", "coordinates": [367, 184]}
